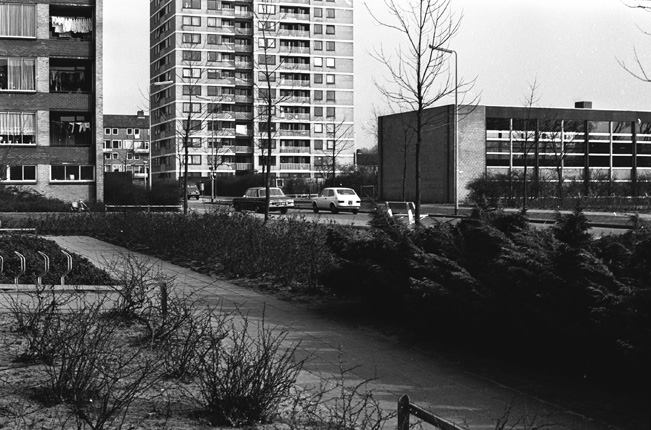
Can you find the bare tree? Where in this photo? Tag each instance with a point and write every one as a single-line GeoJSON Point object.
{"type": "Point", "coordinates": [339, 140]}
{"type": "Point", "coordinates": [638, 70]}
{"type": "Point", "coordinates": [528, 135]}
{"type": "Point", "coordinates": [418, 72]}
{"type": "Point", "coordinates": [268, 92]}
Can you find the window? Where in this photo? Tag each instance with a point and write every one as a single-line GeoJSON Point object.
{"type": "Point", "coordinates": [318, 62]}
{"type": "Point", "coordinates": [266, 59]}
{"type": "Point", "coordinates": [21, 173]}
{"type": "Point", "coordinates": [318, 29]}
{"type": "Point", "coordinates": [191, 21]}
{"type": "Point", "coordinates": [330, 144]}
{"type": "Point", "coordinates": [330, 62]}
{"type": "Point", "coordinates": [318, 78]}
{"type": "Point", "coordinates": [330, 128]}
{"type": "Point", "coordinates": [107, 131]}
{"type": "Point", "coordinates": [116, 144]}
{"type": "Point", "coordinates": [318, 45]}
{"type": "Point", "coordinates": [129, 156]}
{"type": "Point", "coordinates": [267, 9]}
{"type": "Point", "coordinates": [191, 4]}
{"type": "Point", "coordinates": [17, 20]}
{"type": "Point", "coordinates": [330, 112]}
{"type": "Point", "coordinates": [318, 144]}
{"type": "Point", "coordinates": [266, 26]}
{"type": "Point", "coordinates": [129, 131]}
{"type": "Point", "coordinates": [193, 38]}
{"type": "Point", "coordinates": [318, 111]}
{"type": "Point", "coordinates": [194, 90]}
{"type": "Point", "coordinates": [213, 22]}
{"type": "Point", "coordinates": [330, 13]}
{"type": "Point", "coordinates": [330, 96]}
{"type": "Point", "coordinates": [318, 12]}
{"type": "Point", "coordinates": [266, 43]}
{"type": "Point", "coordinates": [330, 29]}
{"type": "Point", "coordinates": [17, 128]}
{"type": "Point", "coordinates": [194, 160]}
{"type": "Point", "coordinates": [17, 74]}
{"type": "Point", "coordinates": [192, 107]}
{"type": "Point", "coordinates": [318, 128]}
{"type": "Point", "coordinates": [195, 142]}
{"type": "Point", "coordinates": [72, 173]}
{"type": "Point", "coordinates": [213, 74]}
{"type": "Point", "coordinates": [191, 55]}
{"type": "Point", "coordinates": [192, 73]}
{"type": "Point", "coordinates": [330, 79]}
{"type": "Point", "coordinates": [318, 95]}
{"type": "Point", "coordinates": [115, 131]}
{"type": "Point", "coordinates": [107, 156]}
{"type": "Point", "coordinates": [330, 46]}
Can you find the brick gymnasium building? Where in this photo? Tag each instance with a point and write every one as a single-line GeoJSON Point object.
{"type": "Point", "coordinates": [587, 144]}
{"type": "Point", "coordinates": [51, 97]}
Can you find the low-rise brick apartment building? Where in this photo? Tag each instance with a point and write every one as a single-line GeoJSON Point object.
{"type": "Point", "coordinates": [584, 145]}
{"type": "Point", "coordinates": [126, 145]}
{"type": "Point", "coordinates": [51, 97]}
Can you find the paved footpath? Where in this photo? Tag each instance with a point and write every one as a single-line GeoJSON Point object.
{"type": "Point", "coordinates": [431, 381]}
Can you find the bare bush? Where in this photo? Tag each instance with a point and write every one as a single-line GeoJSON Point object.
{"type": "Point", "coordinates": [243, 376]}
{"type": "Point", "coordinates": [339, 403]}
{"type": "Point", "coordinates": [184, 347]}
{"type": "Point", "coordinates": [137, 279]}
{"type": "Point", "coordinates": [36, 315]}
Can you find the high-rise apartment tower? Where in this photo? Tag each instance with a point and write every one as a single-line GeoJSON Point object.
{"type": "Point", "coordinates": [209, 63]}
{"type": "Point", "coordinates": [51, 97]}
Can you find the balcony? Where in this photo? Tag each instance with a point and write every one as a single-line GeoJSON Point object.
{"type": "Point", "coordinates": [70, 76]}
{"type": "Point", "coordinates": [244, 99]}
{"type": "Point", "coordinates": [295, 116]}
{"type": "Point", "coordinates": [70, 27]}
{"type": "Point", "coordinates": [295, 66]}
{"type": "Point", "coordinates": [243, 48]}
{"type": "Point", "coordinates": [243, 115]}
{"type": "Point", "coordinates": [295, 99]}
{"type": "Point", "coordinates": [243, 64]}
{"type": "Point", "coordinates": [295, 82]}
{"type": "Point", "coordinates": [243, 31]}
{"type": "Point", "coordinates": [243, 166]}
{"type": "Point", "coordinates": [294, 50]}
{"type": "Point", "coordinates": [295, 166]}
{"type": "Point", "coordinates": [300, 133]}
{"type": "Point", "coordinates": [294, 33]}
{"type": "Point", "coordinates": [244, 82]}
{"type": "Point", "coordinates": [295, 150]}
{"type": "Point", "coordinates": [295, 16]}
{"type": "Point", "coordinates": [224, 132]}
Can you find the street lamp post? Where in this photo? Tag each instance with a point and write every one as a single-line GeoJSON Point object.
{"type": "Point", "coordinates": [456, 123]}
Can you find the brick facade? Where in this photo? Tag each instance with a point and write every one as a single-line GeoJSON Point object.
{"type": "Point", "coordinates": [43, 154]}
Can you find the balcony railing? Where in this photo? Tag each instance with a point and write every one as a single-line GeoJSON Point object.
{"type": "Point", "coordinates": [295, 166]}
{"type": "Point", "coordinates": [294, 50]}
{"type": "Point", "coordinates": [243, 115]}
{"type": "Point", "coordinates": [295, 150]}
{"type": "Point", "coordinates": [295, 82]}
{"type": "Point", "coordinates": [295, 116]}
{"type": "Point", "coordinates": [302, 133]}
{"type": "Point", "coordinates": [244, 99]}
{"type": "Point", "coordinates": [243, 166]}
{"type": "Point", "coordinates": [293, 33]}
{"type": "Point", "coordinates": [295, 66]}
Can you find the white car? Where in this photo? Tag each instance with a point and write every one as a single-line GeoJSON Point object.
{"type": "Point", "coordinates": [337, 199]}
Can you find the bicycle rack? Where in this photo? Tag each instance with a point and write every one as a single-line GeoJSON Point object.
{"type": "Point", "coordinates": [23, 266]}
{"type": "Point", "coordinates": [69, 267]}
{"type": "Point", "coordinates": [46, 268]}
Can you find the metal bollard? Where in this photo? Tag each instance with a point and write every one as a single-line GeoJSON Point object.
{"type": "Point", "coordinates": [46, 268]}
{"type": "Point", "coordinates": [68, 269]}
{"type": "Point", "coordinates": [23, 267]}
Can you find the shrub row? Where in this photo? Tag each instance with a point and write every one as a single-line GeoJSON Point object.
{"type": "Point", "coordinates": [558, 294]}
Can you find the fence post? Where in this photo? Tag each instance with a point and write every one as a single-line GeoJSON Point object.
{"type": "Point", "coordinates": [403, 413]}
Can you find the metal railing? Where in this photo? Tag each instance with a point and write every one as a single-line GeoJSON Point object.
{"type": "Point", "coordinates": [43, 272]}
{"type": "Point", "coordinates": [406, 409]}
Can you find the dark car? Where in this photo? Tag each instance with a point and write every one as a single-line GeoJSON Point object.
{"type": "Point", "coordinates": [254, 200]}
{"type": "Point", "coordinates": [193, 192]}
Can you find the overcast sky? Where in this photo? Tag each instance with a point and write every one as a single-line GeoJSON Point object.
{"type": "Point", "coordinates": [570, 47]}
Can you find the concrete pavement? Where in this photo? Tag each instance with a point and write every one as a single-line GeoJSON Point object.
{"type": "Point", "coordinates": [440, 385]}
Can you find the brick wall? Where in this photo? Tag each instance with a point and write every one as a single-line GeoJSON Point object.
{"type": "Point", "coordinates": [472, 147]}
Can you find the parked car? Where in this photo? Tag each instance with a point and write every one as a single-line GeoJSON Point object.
{"type": "Point", "coordinates": [193, 192]}
{"type": "Point", "coordinates": [254, 200]}
{"type": "Point", "coordinates": [337, 199]}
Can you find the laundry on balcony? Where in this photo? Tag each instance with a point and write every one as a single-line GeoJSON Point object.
{"type": "Point", "coordinates": [68, 81]}
{"type": "Point", "coordinates": [66, 24]}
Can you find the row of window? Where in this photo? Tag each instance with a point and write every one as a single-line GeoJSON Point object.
{"type": "Point", "coordinates": [573, 161]}
{"type": "Point", "coordinates": [116, 156]}
{"type": "Point", "coordinates": [115, 131]}
{"type": "Point", "coordinates": [126, 144]}
{"type": "Point", "coordinates": [67, 173]}
{"type": "Point", "coordinates": [264, 26]}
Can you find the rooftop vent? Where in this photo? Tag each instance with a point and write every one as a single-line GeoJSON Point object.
{"type": "Point", "coordinates": [141, 114]}
{"type": "Point", "coordinates": [583, 105]}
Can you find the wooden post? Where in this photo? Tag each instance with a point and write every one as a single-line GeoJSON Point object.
{"type": "Point", "coordinates": [403, 413]}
